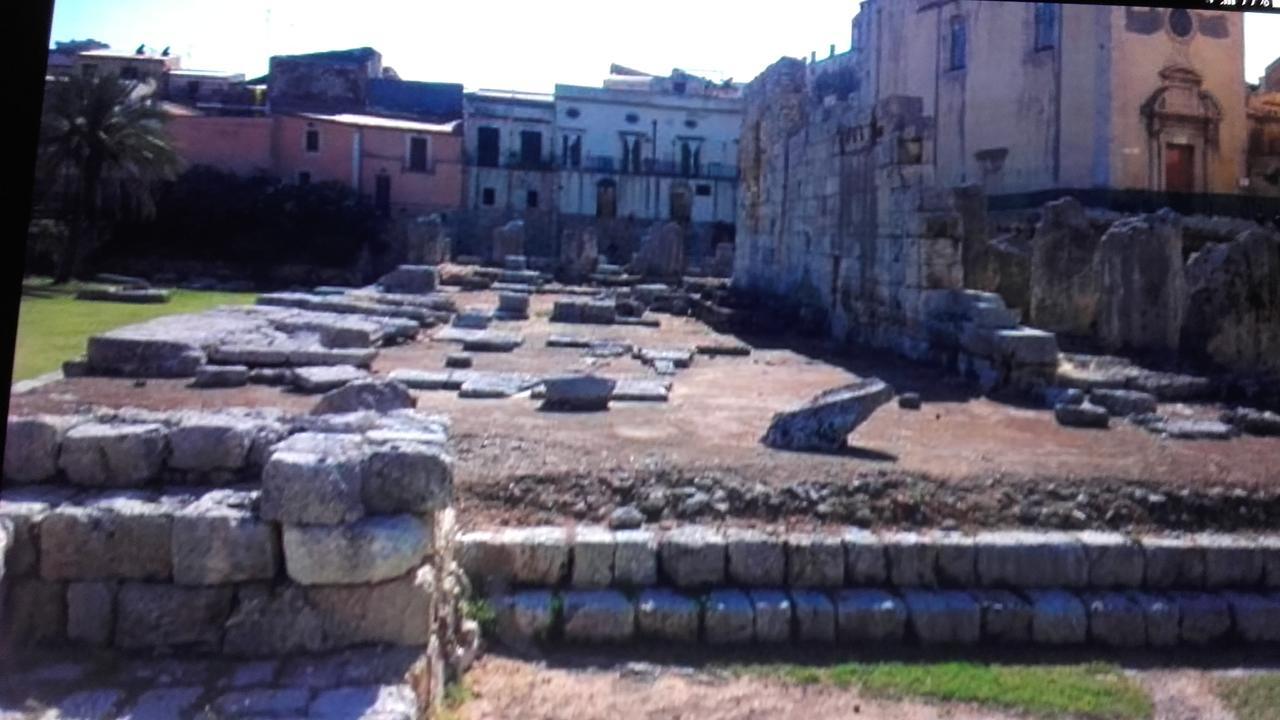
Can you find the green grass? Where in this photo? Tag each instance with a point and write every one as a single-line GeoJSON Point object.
{"type": "Point", "coordinates": [53, 326]}
{"type": "Point", "coordinates": [1253, 698]}
{"type": "Point", "coordinates": [1092, 691]}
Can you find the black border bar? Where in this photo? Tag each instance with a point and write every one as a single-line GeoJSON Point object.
{"type": "Point", "coordinates": [1261, 6]}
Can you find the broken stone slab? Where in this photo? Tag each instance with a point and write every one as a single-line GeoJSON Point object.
{"type": "Point", "coordinates": [912, 559]}
{"type": "Point", "coordinates": [681, 358]}
{"type": "Point", "coordinates": [1123, 403]}
{"type": "Point", "coordinates": [1203, 618]}
{"type": "Point", "coordinates": [866, 563]}
{"type": "Point", "coordinates": [492, 342]}
{"type": "Point", "coordinates": [1160, 618]}
{"type": "Point", "coordinates": [251, 356]}
{"type": "Point", "coordinates": [633, 390]}
{"type": "Point", "coordinates": [1115, 620]}
{"type": "Point", "coordinates": [167, 616]}
{"type": "Point", "coordinates": [1017, 559]}
{"type": "Point", "coordinates": [1006, 617]}
{"type": "Point", "coordinates": [728, 618]}
{"type": "Point", "coordinates": [218, 540]}
{"type": "Point", "coordinates": [756, 559]}
{"type": "Point", "coordinates": [723, 349]}
{"type": "Point", "coordinates": [598, 616]}
{"type": "Point", "coordinates": [635, 558]}
{"type": "Point", "coordinates": [577, 393]}
{"type": "Point", "coordinates": [870, 616]}
{"type": "Point", "coordinates": [451, 380]}
{"type": "Point", "coordinates": [404, 475]}
{"type": "Point", "coordinates": [1057, 618]}
{"type": "Point", "coordinates": [1256, 617]}
{"type": "Point", "coordinates": [325, 378]}
{"type": "Point", "coordinates": [317, 488]}
{"type": "Point", "coordinates": [1263, 423]}
{"type": "Point", "coordinates": [773, 615]}
{"type": "Point", "coordinates": [815, 561]}
{"type": "Point", "coordinates": [693, 557]}
{"type": "Point", "coordinates": [459, 361]}
{"type": "Point", "coordinates": [31, 446]}
{"type": "Point", "coordinates": [321, 357]}
{"type": "Point", "coordinates": [524, 616]}
{"type": "Point", "coordinates": [472, 318]}
{"type": "Point", "coordinates": [221, 376]}
{"type": "Point", "coordinates": [815, 617]}
{"type": "Point", "coordinates": [135, 296]}
{"type": "Point", "coordinates": [410, 280]}
{"type": "Point", "coordinates": [824, 423]}
{"type": "Point", "coordinates": [537, 556]}
{"type": "Point", "coordinates": [569, 341]}
{"type": "Point", "coordinates": [608, 349]}
{"type": "Point", "coordinates": [667, 616]}
{"type": "Point", "coordinates": [367, 551]}
{"type": "Point", "coordinates": [491, 386]}
{"type": "Point", "coordinates": [1191, 429]}
{"type": "Point", "coordinates": [947, 617]}
{"type": "Point", "coordinates": [380, 396]}
{"type": "Point", "coordinates": [593, 554]}
{"type": "Point", "coordinates": [113, 455]}
{"type": "Point", "coordinates": [1083, 415]}
{"type": "Point", "coordinates": [1115, 560]}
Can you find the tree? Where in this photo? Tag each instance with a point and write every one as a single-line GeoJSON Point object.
{"type": "Point", "coordinates": [102, 145]}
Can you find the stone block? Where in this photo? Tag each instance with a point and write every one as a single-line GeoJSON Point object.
{"type": "Point", "coordinates": [495, 386]}
{"type": "Point", "coordinates": [35, 611]}
{"type": "Point", "coordinates": [101, 455]}
{"type": "Point", "coordinates": [593, 554]}
{"type": "Point", "coordinates": [815, 561]}
{"type": "Point", "coordinates": [912, 559]}
{"type": "Point", "coordinates": [1115, 560]}
{"type": "Point", "coordinates": [1016, 559]}
{"type": "Point", "coordinates": [407, 477]}
{"type": "Point", "coordinates": [313, 488]}
{"type": "Point", "coordinates": [693, 557]}
{"type": "Point", "coordinates": [380, 395]}
{"type": "Point", "coordinates": [1172, 562]}
{"type": "Point", "coordinates": [1160, 619]}
{"type": "Point", "coordinates": [165, 703]}
{"type": "Point", "coordinates": [866, 563]}
{"type": "Point", "coordinates": [271, 621]}
{"type": "Point", "coordinates": [667, 616]}
{"type": "Point", "coordinates": [1269, 546]}
{"type": "Point", "coordinates": [219, 540]}
{"type": "Point", "coordinates": [870, 616]}
{"type": "Point", "coordinates": [1006, 617]}
{"type": "Point", "coordinates": [262, 702]}
{"type": "Point", "coordinates": [824, 423]}
{"type": "Point", "coordinates": [97, 704]}
{"type": "Point", "coordinates": [369, 702]}
{"type": "Point", "coordinates": [577, 393]}
{"type": "Point", "coordinates": [1057, 618]}
{"type": "Point", "coordinates": [598, 616]}
{"type": "Point", "coordinates": [756, 559]}
{"type": "Point", "coordinates": [773, 615]}
{"type": "Point", "coordinates": [1231, 561]}
{"type": "Point", "coordinates": [115, 535]}
{"type": "Point", "coordinates": [473, 318]}
{"type": "Point", "coordinates": [221, 376]}
{"type": "Point", "coordinates": [1083, 415]}
{"type": "Point", "coordinates": [1115, 620]}
{"type": "Point", "coordinates": [635, 558]}
{"type": "Point", "coordinates": [537, 557]}
{"type": "Point", "coordinates": [1123, 403]}
{"type": "Point", "coordinates": [323, 378]}
{"type": "Point", "coordinates": [524, 616]}
{"type": "Point", "coordinates": [957, 559]}
{"type": "Point", "coordinates": [729, 618]}
{"type": "Point", "coordinates": [397, 612]}
{"type": "Point", "coordinates": [1256, 617]}
{"type": "Point", "coordinates": [947, 617]}
{"type": "Point", "coordinates": [492, 342]}
{"type": "Point", "coordinates": [90, 612]}
{"type": "Point", "coordinates": [367, 551]}
{"type": "Point", "coordinates": [31, 447]}
{"type": "Point", "coordinates": [165, 616]}
{"type": "Point", "coordinates": [23, 509]}
{"type": "Point", "coordinates": [815, 617]}
{"type": "Point", "coordinates": [1202, 618]}
{"type": "Point", "coordinates": [207, 443]}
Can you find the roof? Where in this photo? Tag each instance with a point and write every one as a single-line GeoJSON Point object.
{"type": "Point", "coordinates": [122, 55]}
{"type": "Point", "coordinates": [436, 100]}
{"type": "Point", "coordinates": [513, 96]}
{"type": "Point", "coordinates": [235, 77]}
{"type": "Point", "coordinates": [354, 55]}
{"type": "Point", "coordinates": [386, 123]}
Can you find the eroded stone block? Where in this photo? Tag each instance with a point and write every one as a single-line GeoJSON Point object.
{"type": "Point", "coordinates": [729, 618]}
{"type": "Point", "coordinates": [162, 616]}
{"type": "Point", "coordinates": [693, 557]}
{"type": "Point", "coordinates": [756, 559]}
{"type": "Point", "coordinates": [815, 561]}
{"type": "Point", "coordinates": [870, 615]}
{"type": "Point", "coordinates": [667, 616]}
{"type": "Point", "coordinates": [219, 540]}
{"type": "Point", "coordinates": [598, 616]}
{"type": "Point", "coordinates": [1057, 618]}
{"type": "Point", "coordinates": [367, 551]}
{"type": "Point", "coordinates": [1031, 560]}
{"type": "Point", "coordinates": [125, 455]}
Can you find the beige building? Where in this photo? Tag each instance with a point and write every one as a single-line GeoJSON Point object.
{"type": "Point", "coordinates": [1042, 98]}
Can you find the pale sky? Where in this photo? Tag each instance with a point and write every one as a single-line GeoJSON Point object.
{"type": "Point", "coordinates": [503, 44]}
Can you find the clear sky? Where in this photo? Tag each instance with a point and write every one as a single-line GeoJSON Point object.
{"type": "Point", "coordinates": [505, 44]}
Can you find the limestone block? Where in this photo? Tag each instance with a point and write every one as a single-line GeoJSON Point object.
{"type": "Point", "coordinates": [1231, 561]}
{"type": "Point", "coordinates": [1142, 283]}
{"type": "Point", "coordinates": [397, 612]}
{"type": "Point", "coordinates": [407, 477]}
{"type": "Point", "coordinates": [593, 554]}
{"type": "Point", "coordinates": [219, 540]}
{"type": "Point", "coordinates": [367, 551]}
{"type": "Point", "coordinates": [524, 616]}
{"type": "Point", "coordinates": [271, 621]}
{"type": "Point", "coordinates": [815, 616]}
{"type": "Point", "coordinates": [380, 396]}
{"type": "Point", "coordinates": [598, 616]}
{"type": "Point", "coordinates": [1203, 618]}
{"type": "Point", "coordinates": [1160, 618]}
{"type": "Point", "coordinates": [101, 455]}
{"type": "Point", "coordinates": [866, 563]}
{"type": "Point", "coordinates": [773, 615]}
{"type": "Point", "coordinates": [313, 488]}
{"type": "Point", "coordinates": [262, 702]}
{"type": "Point", "coordinates": [1173, 562]}
{"type": "Point", "coordinates": [31, 447]}
{"type": "Point", "coordinates": [1257, 617]}
{"type": "Point", "coordinates": [1031, 560]}
{"type": "Point", "coordinates": [35, 611]}
{"type": "Point", "coordinates": [205, 443]}
{"type": "Point", "coordinates": [756, 559]}
{"type": "Point", "coordinates": [912, 558]}
{"type": "Point", "coordinates": [221, 376]}
{"type": "Point", "coordinates": [1123, 403]}
{"type": "Point", "coordinates": [577, 393]}
{"type": "Point", "coordinates": [1057, 618]}
{"type": "Point", "coordinates": [318, 379]}
{"type": "Point", "coordinates": [1115, 561]}
{"type": "Point", "coordinates": [161, 616]}
{"type": "Point", "coordinates": [667, 616]}
{"type": "Point", "coordinates": [90, 612]}
{"type": "Point", "coordinates": [23, 509]}
{"type": "Point", "coordinates": [729, 618]}
{"type": "Point", "coordinates": [1064, 284]}
{"type": "Point", "coordinates": [114, 535]}
{"type": "Point", "coordinates": [635, 558]}
{"type": "Point", "coordinates": [693, 557]}
{"type": "Point", "coordinates": [1233, 304]}
{"type": "Point", "coordinates": [947, 617]}
{"type": "Point", "coordinates": [536, 557]}
{"type": "Point", "coordinates": [815, 560]}
{"type": "Point", "coordinates": [1006, 617]}
{"type": "Point", "coordinates": [870, 615]}
{"type": "Point", "coordinates": [957, 559]}
{"type": "Point", "coordinates": [824, 423]}
{"type": "Point", "coordinates": [1115, 620]}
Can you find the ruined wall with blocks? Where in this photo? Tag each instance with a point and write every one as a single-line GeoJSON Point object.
{"type": "Point", "coordinates": [242, 533]}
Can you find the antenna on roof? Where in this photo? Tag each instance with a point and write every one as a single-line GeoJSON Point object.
{"type": "Point", "coordinates": [142, 49]}
{"type": "Point", "coordinates": [166, 52]}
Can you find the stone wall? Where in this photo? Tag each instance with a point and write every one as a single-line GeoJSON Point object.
{"type": "Point", "coordinates": [243, 533]}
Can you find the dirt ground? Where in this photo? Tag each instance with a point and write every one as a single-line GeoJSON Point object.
{"type": "Point", "coordinates": [963, 460]}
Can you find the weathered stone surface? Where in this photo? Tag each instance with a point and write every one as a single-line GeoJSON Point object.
{"type": "Point", "coordinates": [157, 616]}
{"type": "Point", "coordinates": [1256, 617]}
{"type": "Point", "coordinates": [221, 376]}
{"type": "Point", "coordinates": [23, 509]}
{"type": "Point", "coordinates": [508, 240]}
{"type": "Point", "coordinates": [31, 447]}
{"type": "Point", "coordinates": [524, 616]}
{"type": "Point", "coordinates": [407, 477]}
{"type": "Point", "coordinates": [204, 443]}
{"type": "Point", "coordinates": [427, 243]}
{"type": "Point", "coordinates": [756, 559]}
{"type": "Point", "coordinates": [397, 612]}
{"type": "Point", "coordinates": [492, 342]}
{"type": "Point", "coordinates": [667, 616]}
{"type": "Point", "coordinates": [1084, 415]}
{"type": "Point", "coordinates": [773, 615]}
{"type": "Point", "coordinates": [1123, 403]}
{"type": "Point", "coordinates": [729, 618]}
{"type": "Point", "coordinates": [1233, 303]}
{"type": "Point", "coordinates": [1203, 618]}
{"type": "Point", "coordinates": [1031, 560]}
{"type": "Point", "coordinates": [633, 390]}
{"type": "Point", "coordinates": [263, 702]}
{"type": "Point", "coordinates": [219, 540]}
{"type": "Point", "coordinates": [870, 615]}
{"type": "Point", "coordinates": [957, 564]}
{"type": "Point", "coordinates": [97, 704]}
{"type": "Point", "coordinates": [815, 560]}
{"type": "Point", "coordinates": [946, 617]}
{"type": "Point", "coordinates": [313, 488]}
{"type": "Point", "coordinates": [523, 556]}
{"type": "Point", "coordinates": [635, 558]}
{"type": "Point", "coordinates": [866, 563]}
{"type": "Point", "coordinates": [1263, 423]}
{"type": "Point", "coordinates": [165, 703]}
{"type": "Point", "coordinates": [1115, 561]}
{"type": "Point", "coordinates": [459, 361]}
{"type": "Point", "coordinates": [101, 455]}
{"type": "Point", "coordinates": [118, 534]}
{"type": "Point", "coordinates": [90, 612]}
{"type": "Point", "coordinates": [593, 554]}
{"type": "Point", "coordinates": [410, 280]}
{"type": "Point", "coordinates": [1057, 618]}
{"type": "Point", "coordinates": [1231, 561]}
{"type": "Point", "coordinates": [492, 386]}
{"type": "Point", "coordinates": [273, 621]}
{"type": "Point", "coordinates": [824, 423]}
{"type": "Point", "coordinates": [1006, 618]}
{"type": "Point", "coordinates": [598, 616]}
{"type": "Point", "coordinates": [693, 557]}
{"type": "Point", "coordinates": [815, 617]}
{"type": "Point", "coordinates": [1141, 282]}
{"type": "Point", "coordinates": [1160, 618]}
{"type": "Point", "coordinates": [579, 253]}
{"type": "Point", "coordinates": [377, 395]}
{"type": "Point", "coordinates": [627, 517]}
{"type": "Point", "coordinates": [1064, 281]}
{"type": "Point", "coordinates": [912, 559]}
{"type": "Point", "coordinates": [370, 550]}
{"type": "Point", "coordinates": [370, 702]}
{"type": "Point", "coordinates": [1182, 429]}
{"type": "Point", "coordinates": [1173, 562]}
{"type": "Point", "coordinates": [577, 393]}
{"type": "Point", "coordinates": [662, 252]}
{"type": "Point", "coordinates": [1115, 620]}
{"type": "Point", "coordinates": [513, 305]}
{"type": "Point", "coordinates": [35, 611]}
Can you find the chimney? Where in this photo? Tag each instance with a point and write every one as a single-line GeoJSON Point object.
{"type": "Point", "coordinates": [833, 50]}
{"type": "Point", "coordinates": [813, 57]}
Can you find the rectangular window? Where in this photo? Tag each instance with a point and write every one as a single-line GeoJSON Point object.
{"type": "Point", "coordinates": [959, 41]}
{"type": "Point", "coordinates": [417, 154]}
{"type": "Point", "coordinates": [1046, 26]}
{"type": "Point", "coordinates": [531, 199]}
{"type": "Point", "coordinates": [530, 147]}
{"type": "Point", "coordinates": [313, 140]}
{"type": "Point", "coordinates": [304, 178]}
{"type": "Point", "coordinates": [703, 190]}
{"type": "Point", "coordinates": [488, 197]}
{"type": "Point", "coordinates": [488, 147]}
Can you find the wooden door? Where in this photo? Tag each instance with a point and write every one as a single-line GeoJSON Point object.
{"type": "Point", "coordinates": [1179, 168]}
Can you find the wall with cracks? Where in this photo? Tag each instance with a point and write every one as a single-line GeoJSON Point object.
{"type": "Point", "coordinates": [698, 584]}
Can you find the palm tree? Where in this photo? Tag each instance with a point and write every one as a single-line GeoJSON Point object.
{"type": "Point", "coordinates": [103, 142]}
